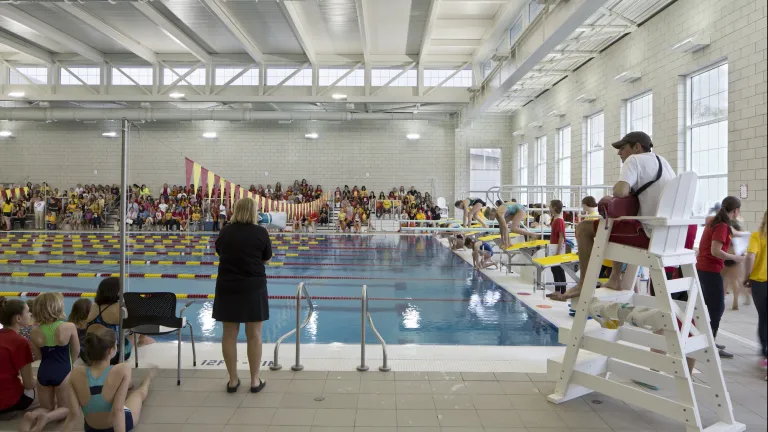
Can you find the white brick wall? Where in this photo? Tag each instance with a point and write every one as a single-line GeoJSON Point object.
{"type": "Point", "coordinates": [68, 153]}
{"type": "Point", "coordinates": [737, 29]}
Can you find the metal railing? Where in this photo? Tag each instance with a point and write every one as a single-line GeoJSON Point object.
{"type": "Point", "coordinates": [365, 315]}
{"type": "Point", "coordinates": [299, 325]}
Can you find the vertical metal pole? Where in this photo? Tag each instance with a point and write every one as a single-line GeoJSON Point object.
{"type": "Point", "coordinates": [364, 313]}
{"type": "Point", "coordinates": [298, 366]}
{"type": "Point", "coordinates": [123, 239]}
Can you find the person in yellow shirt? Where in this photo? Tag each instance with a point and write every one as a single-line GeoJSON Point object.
{"type": "Point", "coordinates": [755, 266]}
{"type": "Point", "coordinates": [7, 213]}
{"type": "Point", "coordinates": [51, 220]}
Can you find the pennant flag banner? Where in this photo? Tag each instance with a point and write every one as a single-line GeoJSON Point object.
{"type": "Point", "coordinates": [208, 180]}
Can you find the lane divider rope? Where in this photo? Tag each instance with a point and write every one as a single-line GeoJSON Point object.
{"type": "Point", "coordinates": [198, 276]}
{"type": "Point", "coordinates": [189, 263]}
{"type": "Point", "coordinates": [153, 253]}
{"type": "Point", "coordinates": [271, 297]}
{"type": "Point", "coordinates": [135, 246]}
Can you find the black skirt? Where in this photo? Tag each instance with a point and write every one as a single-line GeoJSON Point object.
{"type": "Point", "coordinates": [241, 301]}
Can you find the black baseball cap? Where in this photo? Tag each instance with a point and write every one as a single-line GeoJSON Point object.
{"type": "Point", "coordinates": [637, 137]}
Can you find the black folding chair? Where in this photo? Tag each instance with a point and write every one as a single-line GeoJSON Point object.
{"type": "Point", "coordinates": [153, 314]}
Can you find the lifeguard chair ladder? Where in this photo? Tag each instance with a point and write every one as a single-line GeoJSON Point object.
{"type": "Point", "coordinates": [606, 360]}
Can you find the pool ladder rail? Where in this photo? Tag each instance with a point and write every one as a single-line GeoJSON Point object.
{"type": "Point", "coordinates": [365, 318]}
{"type": "Point", "coordinates": [302, 289]}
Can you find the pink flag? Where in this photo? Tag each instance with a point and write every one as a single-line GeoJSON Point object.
{"type": "Point", "coordinates": [189, 164]}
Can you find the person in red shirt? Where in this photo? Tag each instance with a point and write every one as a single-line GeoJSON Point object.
{"type": "Point", "coordinates": [313, 218]}
{"type": "Point", "coordinates": [557, 237]}
{"type": "Point", "coordinates": [713, 248]}
{"type": "Point", "coordinates": [15, 358]}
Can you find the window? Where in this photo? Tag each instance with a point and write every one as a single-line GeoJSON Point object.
{"type": "Point", "coordinates": [249, 78]}
{"type": "Point", "coordinates": [541, 166]}
{"type": "Point", "coordinates": [484, 168]}
{"type": "Point", "coordinates": [534, 9]}
{"type": "Point", "coordinates": [197, 77]}
{"type": "Point", "coordinates": [515, 30]}
{"type": "Point", "coordinates": [301, 79]}
{"type": "Point", "coordinates": [707, 131]}
{"type": "Point", "coordinates": [379, 77]}
{"type": "Point", "coordinates": [522, 171]}
{"type": "Point", "coordinates": [433, 77]}
{"type": "Point", "coordinates": [327, 77]}
{"type": "Point", "coordinates": [563, 163]}
{"type": "Point", "coordinates": [91, 76]}
{"type": "Point", "coordinates": [595, 149]}
{"type": "Point", "coordinates": [142, 75]}
{"type": "Point", "coordinates": [38, 75]}
{"type": "Point", "coordinates": [640, 114]}
{"type": "Point", "coordinates": [487, 68]}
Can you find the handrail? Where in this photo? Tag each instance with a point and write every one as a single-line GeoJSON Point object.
{"type": "Point", "coordinates": [365, 314]}
{"type": "Point", "coordinates": [310, 312]}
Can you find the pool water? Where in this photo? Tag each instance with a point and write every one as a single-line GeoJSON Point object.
{"type": "Point", "coordinates": [419, 291]}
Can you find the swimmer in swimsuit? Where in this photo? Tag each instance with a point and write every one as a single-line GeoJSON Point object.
{"type": "Point", "coordinates": [472, 208]}
{"type": "Point", "coordinates": [512, 214]}
{"type": "Point", "coordinates": [56, 344]}
{"type": "Point", "coordinates": [101, 390]}
{"type": "Point", "coordinates": [482, 255]}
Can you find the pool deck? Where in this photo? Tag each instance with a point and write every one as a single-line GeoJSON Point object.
{"type": "Point", "coordinates": [431, 388]}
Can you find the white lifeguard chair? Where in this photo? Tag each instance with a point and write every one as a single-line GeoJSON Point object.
{"type": "Point", "coordinates": [607, 360]}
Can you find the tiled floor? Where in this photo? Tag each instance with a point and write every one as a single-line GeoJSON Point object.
{"type": "Point", "coordinates": [409, 402]}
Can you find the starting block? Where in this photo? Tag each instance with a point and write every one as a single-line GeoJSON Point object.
{"type": "Point", "coordinates": [490, 237]}
{"type": "Point", "coordinates": [526, 250]}
{"type": "Point", "coordinates": [568, 262]}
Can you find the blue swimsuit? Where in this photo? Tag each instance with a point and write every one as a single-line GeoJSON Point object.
{"type": "Point", "coordinates": [97, 404]}
{"type": "Point", "coordinates": [55, 363]}
{"type": "Point", "coordinates": [114, 327]}
{"type": "Point", "coordinates": [487, 247]}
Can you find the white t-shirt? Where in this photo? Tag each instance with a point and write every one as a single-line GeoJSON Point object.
{"type": "Point", "coordinates": [640, 169]}
{"type": "Point", "coordinates": [163, 207]}
{"type": "Point", "coordinates": [222, 210]}
{"type": "Point", "coordinates": [40, 206]}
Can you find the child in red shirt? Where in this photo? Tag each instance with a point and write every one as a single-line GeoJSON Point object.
{"type": "Point", "coordinates": [15, 358]}
{"type": "Point", "coordinates": [713, 249]}
{"type": "Point", "coordinates": [557, 237]}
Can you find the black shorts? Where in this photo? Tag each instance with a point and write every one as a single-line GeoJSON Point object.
{"type": "Point", "coordinates": [22, 404]}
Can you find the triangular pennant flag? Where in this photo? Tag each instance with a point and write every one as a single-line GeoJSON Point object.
{"type": "Point", "coordinates": [211, 182]}
{"type": "Point", "coordinates": [203, 180]}
{"type": "Point", "coordinates": [196, 171]}
{"type": "Point", "coordinates": [188, 164]}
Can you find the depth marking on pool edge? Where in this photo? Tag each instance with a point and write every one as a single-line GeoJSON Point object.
{"type": "Point", "coordinates": [221, 362]}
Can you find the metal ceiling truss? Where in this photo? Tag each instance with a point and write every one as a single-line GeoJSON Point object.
{"type": "Point", "coordinates": [394, 78]}
{"type": "Point", "coordinates": [50, 32]}
{"type": "Point", "coordinates": [340, 79]}
{"type": "Point", "coordinates": [286, 79]}
{"type": "Point", "coordinates": [25, 48]}
{"type": "Point", "coordinates": [173, 31]}
{"type": "Point", "coordinates": [99, 24]}
{"type": "Point", "coordinates": [77, 77]}
{"type": "Point", "coordinates": [446, 79]}
{"type": "Point", "coordinates": [181, 77]}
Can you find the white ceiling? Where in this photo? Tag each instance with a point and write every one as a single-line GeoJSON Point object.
{"type": "Point", "coordinates": [444, 33]}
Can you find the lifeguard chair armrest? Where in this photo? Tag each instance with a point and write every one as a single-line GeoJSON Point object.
{"type": "Point", "coordinates": [659, 221]}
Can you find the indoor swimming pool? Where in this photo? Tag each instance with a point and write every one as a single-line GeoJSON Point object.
{"type": "Point", "coordinates": [419, 291]}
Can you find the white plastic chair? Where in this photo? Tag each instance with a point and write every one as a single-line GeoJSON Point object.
{"type": "Point", "coordinates": [443, 206]}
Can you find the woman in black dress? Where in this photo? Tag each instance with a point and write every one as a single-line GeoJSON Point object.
{"type": "Point", "coordinates": [241, 289]}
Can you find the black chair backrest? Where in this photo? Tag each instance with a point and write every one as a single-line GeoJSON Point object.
{"type": "Point", "coordinates": [151, 308]}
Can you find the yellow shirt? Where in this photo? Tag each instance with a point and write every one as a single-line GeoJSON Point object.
{"type": "Point", "coordinates": [757, 246]}
{"type": "Point", "coordinates": [7, 207]}
{"type": "Point", "coordinates": [51, 219]}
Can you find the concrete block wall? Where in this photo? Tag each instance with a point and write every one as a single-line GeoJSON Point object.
{"type": "Point", "coordinates": [491, 131]}
{"type": "Point", "coordinates": [371, 153]}
{"type": "Point", "coordinates": [737, 30]}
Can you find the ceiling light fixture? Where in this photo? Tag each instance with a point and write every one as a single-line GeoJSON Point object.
{"type": "Point", "coordinates": [627, 76]}
{"type": "Point", "coordinates": [693, 43]}
{"type": "Point", "coordinates": [534, 124]}
{"type": "Point", "coordinates": [16, 94]}
{"type": "Point", "coordinates": [518, 133]}
{"type": "Point", "coordinates": [338, 96]}
{"type": "Point", "coordinates": [176, 95]}
{"type": "Point", "coordinates": [413, 136]}
{"type": "Point", "coordinates": [586, 98]}
{"type": "Point", "coordinates": [5, 134]}
{"type": "Point", "coordinates": [556, 114]}
{"type": "Point", "coordinates": [311, 135]}
{"type": "Point", "coordinates": [209, 135]}
{"type": "Point", "coordinates": [111, 134]}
